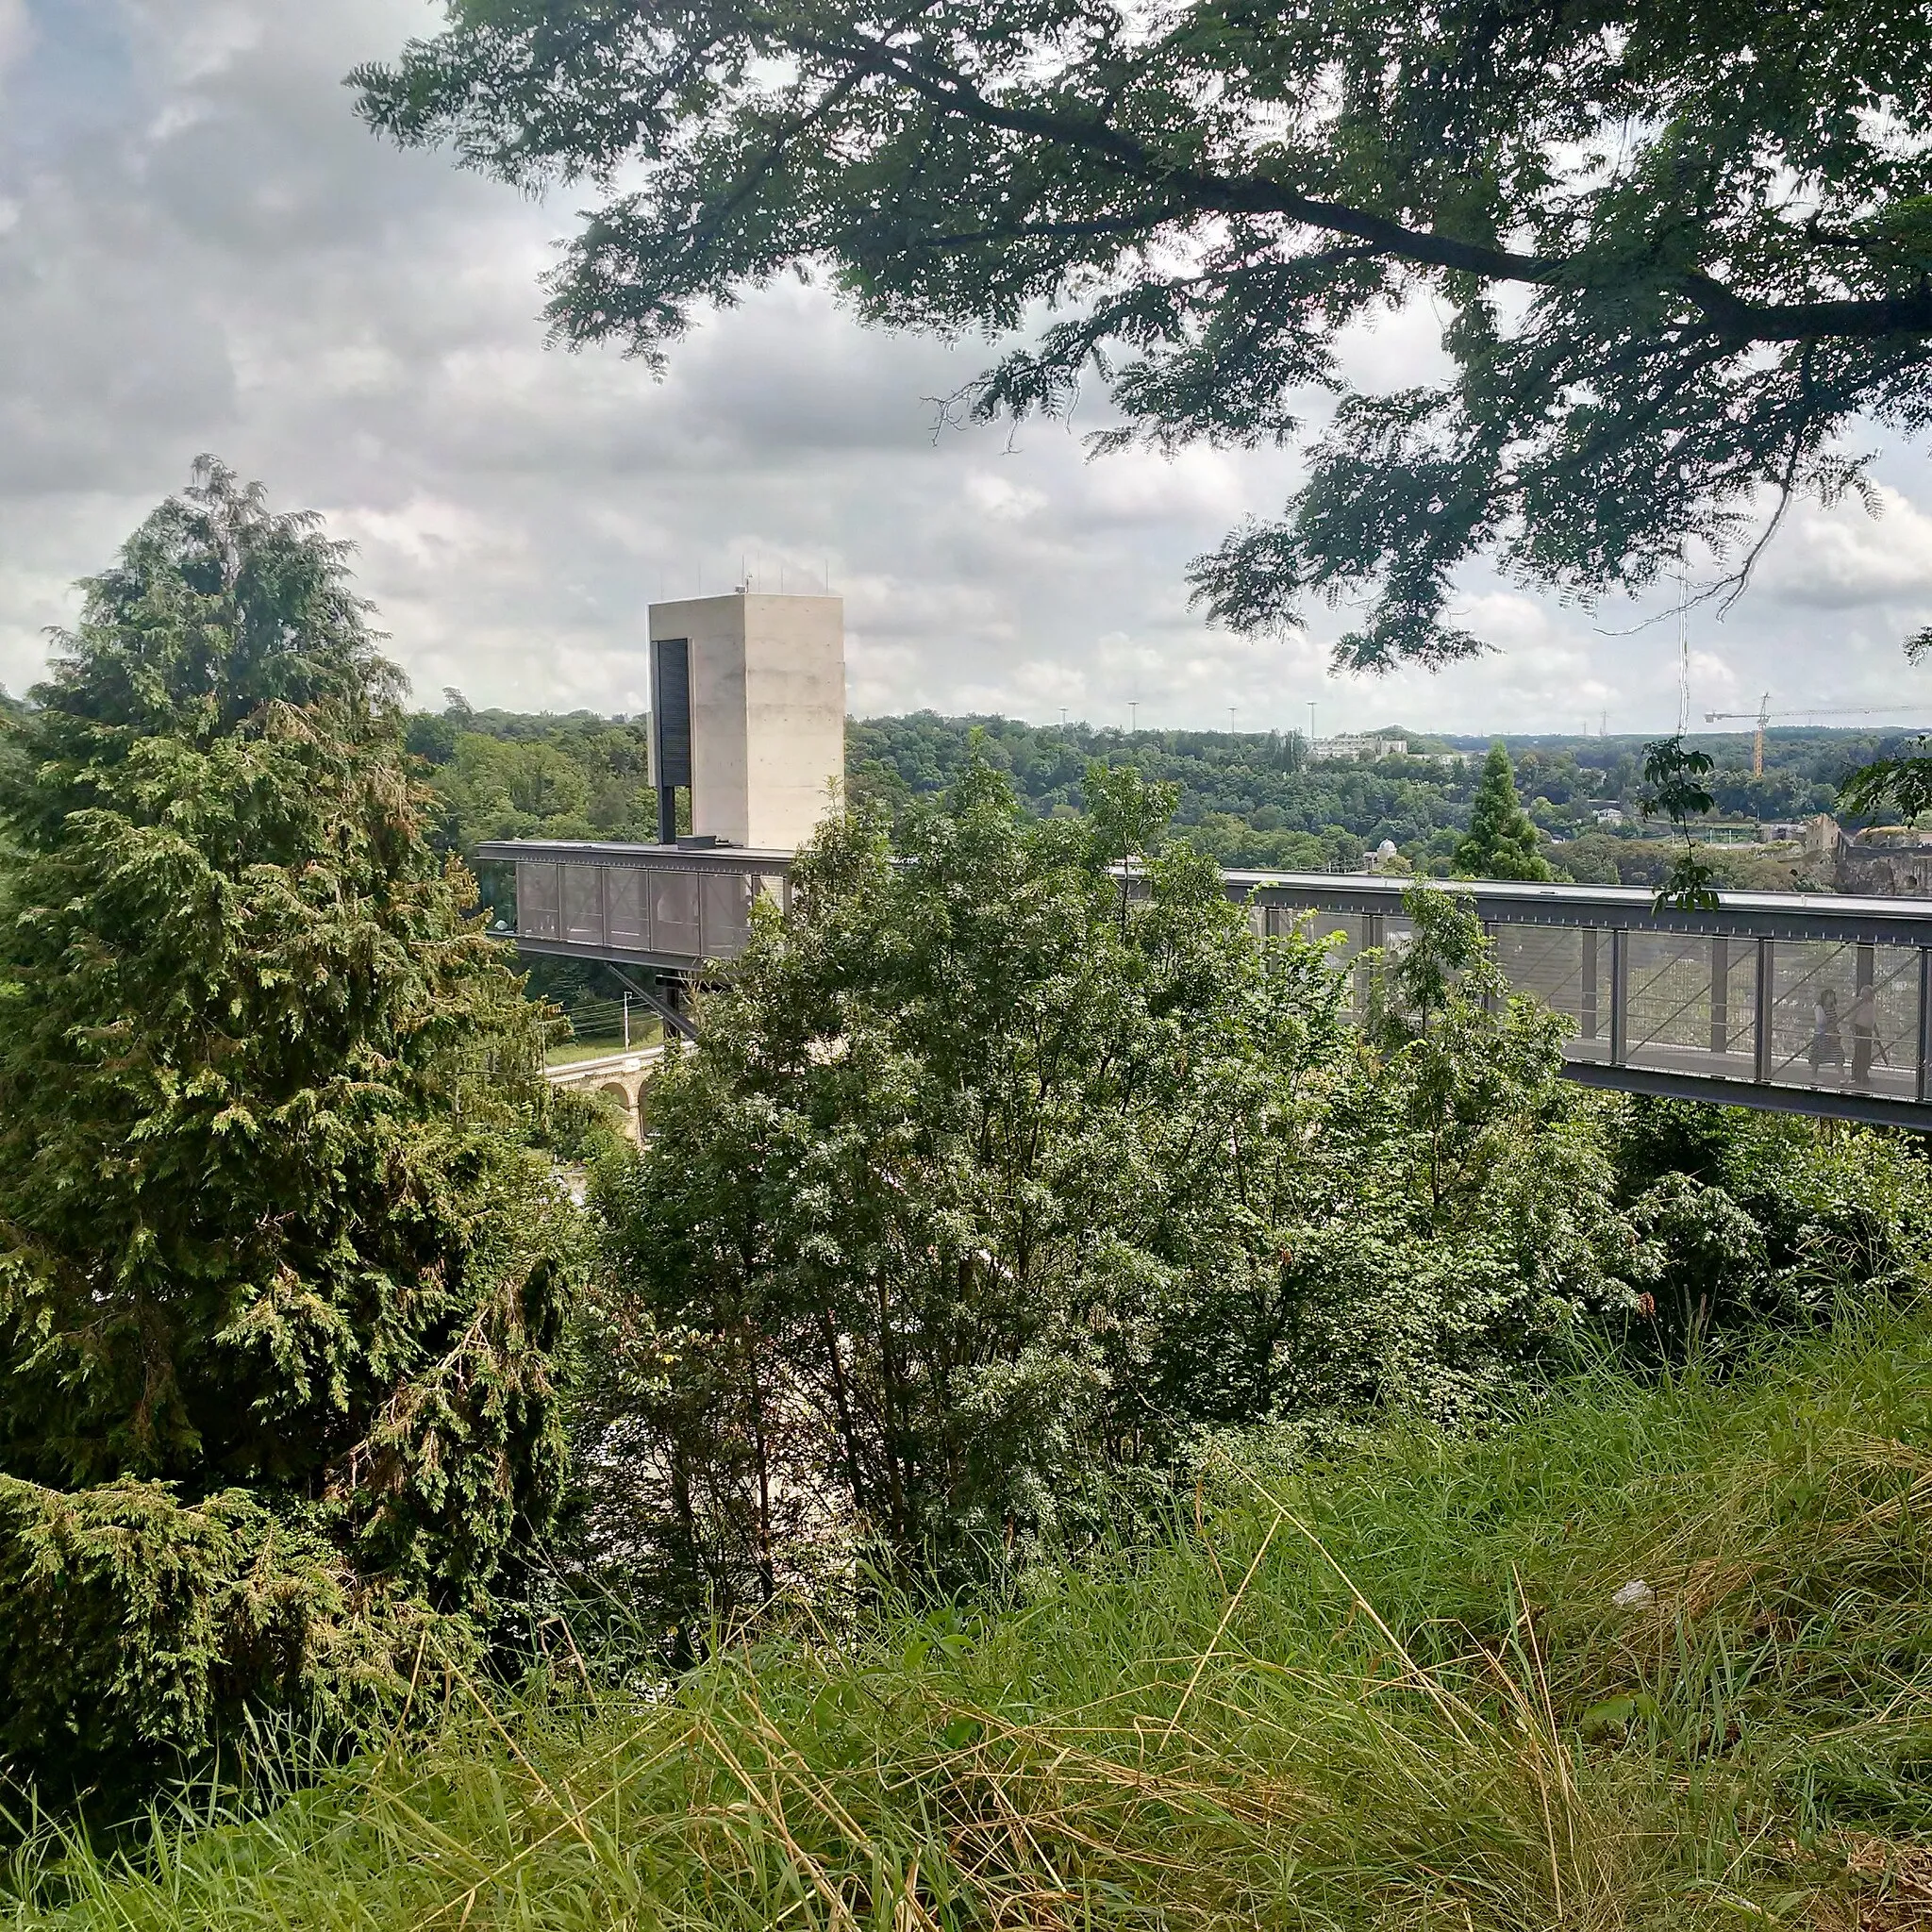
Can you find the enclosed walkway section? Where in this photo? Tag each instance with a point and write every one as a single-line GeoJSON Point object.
{"type": "Point", "coordinates": [662, 907]}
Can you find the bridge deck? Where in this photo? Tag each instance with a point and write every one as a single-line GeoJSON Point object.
{"type": "Point", "coordinates": [1794, 1001]}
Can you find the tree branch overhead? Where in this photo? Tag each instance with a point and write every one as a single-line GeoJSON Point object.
{"type": "Point", "coordinates": [1723, 224]}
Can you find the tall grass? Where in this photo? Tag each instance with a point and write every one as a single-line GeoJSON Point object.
{"type": "Point", "coordinates": [1397, 1691]}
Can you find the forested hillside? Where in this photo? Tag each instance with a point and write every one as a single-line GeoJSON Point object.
{"type": "Point", "coordinates": [506, 775]}
{"type": "Point", "coordinates": [1246, 798]}
{"type": "Point", "coordinates": [1256, 799]}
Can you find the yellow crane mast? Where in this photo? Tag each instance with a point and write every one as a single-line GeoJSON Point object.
{"type": "Point", "coordinates": [1764, 714]}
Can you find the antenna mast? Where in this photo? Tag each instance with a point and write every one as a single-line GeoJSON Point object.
{"type": "Point", "coordinates": [1683, 664]}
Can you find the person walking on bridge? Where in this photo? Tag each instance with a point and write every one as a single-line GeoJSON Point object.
{"type": "Point", "coordinates": [1865, 1041]}
{"type": "Point", "coordinates": [1827, 1042]}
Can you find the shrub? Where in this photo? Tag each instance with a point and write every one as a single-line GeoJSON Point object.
{"type": "Point", "coordinates": [991, 1177]}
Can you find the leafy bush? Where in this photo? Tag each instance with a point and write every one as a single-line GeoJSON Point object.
{"type": "Point", "coordinates": [1751, 1218]}
{"type": "Point", "coordinates": [580, 1127]}
{"type": "Point", "coordinates": [990, 1178]}
{"type": "Point", "coordinates": [1015, 1172]}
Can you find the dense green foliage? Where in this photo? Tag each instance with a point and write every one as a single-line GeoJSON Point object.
{"type": "Point", "coordinates": [984, 1179]}
{"type": "Point", "coordinates": [1676, 254]}
{"type": "Point", "coordinates": [1898, 781]}
{"type": "Point", "coordinates": [277, 1283]}
{"type": "Point", "coordinates": [1253, 799]}
{"type": "Point", "coordinates": [1500, 841]}
{"type": "Point", "coordinates": [988, 1184]}
{"type": "Point", "coordinates": [1760, 1218]}
{"type": "Point", "coordinates": [1244, 799]}
{"type": "Point", "coordinates": [499, 774]}
{"type": "Point", "coordinates": [12, 761]}
{"type": "Point", "coordinates": [1410, 1686]}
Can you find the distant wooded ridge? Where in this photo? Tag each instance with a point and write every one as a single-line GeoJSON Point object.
{"type": "Point", "coordinates": [1247, 798]}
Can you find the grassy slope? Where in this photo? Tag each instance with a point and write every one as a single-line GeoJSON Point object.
{"type": "Point", "coordinates": [576, 1050]}
{"type": "Point", "coordinates": [1396, 1695]}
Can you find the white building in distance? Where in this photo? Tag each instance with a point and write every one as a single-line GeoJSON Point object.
{"type": "Point", "coordinates": [1356, 744]}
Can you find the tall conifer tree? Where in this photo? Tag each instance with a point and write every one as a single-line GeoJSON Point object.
{"type": "Point", "coordinates": [1501, 840]}
{"type": "Point", "coordinates": [276, 1287]}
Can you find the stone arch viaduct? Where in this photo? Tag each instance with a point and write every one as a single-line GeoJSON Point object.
{"type": "Point", "coordinates": [619, 1077]}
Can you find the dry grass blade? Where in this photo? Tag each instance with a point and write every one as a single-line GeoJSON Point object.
{"type": "Point", "coordinates": [1234, 1603]}
{"type": "Point", "coordinates": [1442, 1721]}
{"type": "Point", "coordinates": [1452, 1709]}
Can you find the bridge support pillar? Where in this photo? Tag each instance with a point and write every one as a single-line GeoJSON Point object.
{"type": "Point", "coordinates": [1864, 1019]}
{"type": "Point", "coordinates": [1925, 1082]}
{"type": "Point", "coordinates": [1620, 995]}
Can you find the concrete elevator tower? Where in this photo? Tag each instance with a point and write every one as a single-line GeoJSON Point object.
{"type": "Point", "coordinates": [748, 714]}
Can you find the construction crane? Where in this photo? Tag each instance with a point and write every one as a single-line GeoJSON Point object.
{"type": "Point", "coordinates": [1764, 714]}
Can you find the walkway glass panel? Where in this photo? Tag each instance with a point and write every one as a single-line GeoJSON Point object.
{"type": "Point", "coordinates": [1803, 1002]}
{"type": "Point", "coordinates": [1565, 969]}
{"type": "Point", "coordinates": [1845, 1017]}
{"type": "Point", "coordinates": [668, 906]}
{"type": "Point", "coordinates": [1691, 1006]}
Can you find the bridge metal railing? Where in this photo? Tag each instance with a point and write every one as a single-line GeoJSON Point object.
{"type": "Point", "coordinates": [1801, 1001]}
{"type": "Point", "coordinates": [1795, 1000]}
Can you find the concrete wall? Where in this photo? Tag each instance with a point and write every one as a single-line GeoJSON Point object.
{"type": "Point", "coordinates": [768, 711]}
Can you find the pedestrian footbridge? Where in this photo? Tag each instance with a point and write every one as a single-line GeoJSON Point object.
{"type": "Point", "coordinates": [1794, 1001]}
{"type": "Point", "coordinates": [1798, 1002]}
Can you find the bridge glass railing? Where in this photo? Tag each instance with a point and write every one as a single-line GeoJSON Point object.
{"type": "Point", "coordinates": [1690, 1005]}
{"type": "Point", "coordinates": [1564, 969]}
{"type": "Point", "coordinates": [1786, 999]}
{"type": "Point", "coordinates": [1845, 1017]}
{"type": "Point", "coordinates": [1760, 1005]}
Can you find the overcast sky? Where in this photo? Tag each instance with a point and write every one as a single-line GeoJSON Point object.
{"type": "Point", "coordinates": [202, 249]}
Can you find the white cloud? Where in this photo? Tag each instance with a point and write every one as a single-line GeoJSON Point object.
{"type": "Point", "coordinates": [1001, 499]}
{"type": "Point", "coordinates": [200, 248]}
{"type": "Point", "coordinates": [16, 31]}
{"type": "Point", "coordinates": [1845, 556]}
{"type": "Point", "coordinates": [1145, 486]}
